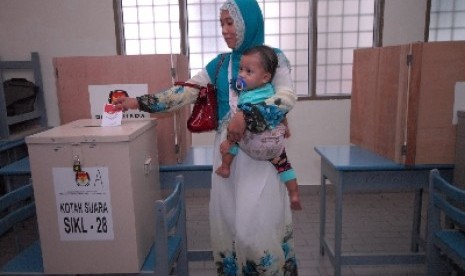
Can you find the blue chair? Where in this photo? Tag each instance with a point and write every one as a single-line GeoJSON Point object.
{"type": "Point", "coordinates": [17, 168]}
{"type": "Point", "coordinates": [15, 207]}
{"type": "Point", "coordinates": [446, 221]}
{"type": "Point", "coordinates": [170, 247]}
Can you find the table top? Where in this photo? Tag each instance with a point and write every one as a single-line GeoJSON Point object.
{"type": "Point", "coordinates": [356, 158]}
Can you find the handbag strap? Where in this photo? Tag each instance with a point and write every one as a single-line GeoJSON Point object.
{"type": "Point", "coordinates": [193, 85]}
{"type": "Point", "coordinates": [218, 66]}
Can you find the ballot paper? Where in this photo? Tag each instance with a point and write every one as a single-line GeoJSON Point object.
{"type": "Point", "coordinates": [111, 117]}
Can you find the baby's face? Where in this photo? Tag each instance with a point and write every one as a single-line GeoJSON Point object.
{"type": "Point", "coordinates": [252, 72]}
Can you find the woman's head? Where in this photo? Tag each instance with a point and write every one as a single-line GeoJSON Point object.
{"type": "Point", "coordinates": [258, 66]}
{"type": "Point", "coordinates": [241, 24]}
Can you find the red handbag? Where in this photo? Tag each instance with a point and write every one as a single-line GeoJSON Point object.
{"type": "Point", "coordinates": [204, 115]}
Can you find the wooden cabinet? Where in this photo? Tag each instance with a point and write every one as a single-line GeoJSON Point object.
{"type": "Point", "coordinates": [402, 100]}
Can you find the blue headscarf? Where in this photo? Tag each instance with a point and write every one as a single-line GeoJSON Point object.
{"type": "Point", "coordinates": [248, 20]}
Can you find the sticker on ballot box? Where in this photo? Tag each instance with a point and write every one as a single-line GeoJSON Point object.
{"type": "Point", "coordinates": [83, 204]}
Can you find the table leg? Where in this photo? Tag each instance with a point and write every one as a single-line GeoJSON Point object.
{"type": "Point", "coordinates": [415, 240]}
{"type": "Point", "coordinates": [338, 229]}
{"type": "Point", "coordinates": [322, 213]}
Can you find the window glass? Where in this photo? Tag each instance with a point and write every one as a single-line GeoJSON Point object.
{"type": "Point", "coordinates": [447, 20]}
{"type": "Point", "coordinates": [153, 26]}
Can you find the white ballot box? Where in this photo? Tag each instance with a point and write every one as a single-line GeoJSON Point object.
{"type": "Point", "coordinates": [95, 189]}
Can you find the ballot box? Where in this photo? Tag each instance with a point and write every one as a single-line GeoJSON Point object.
{"type": "Point", "coordinates": [95, 189]}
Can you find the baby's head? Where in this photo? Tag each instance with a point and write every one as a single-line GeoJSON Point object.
{"type": "Point", "coordinates": [258, 67]}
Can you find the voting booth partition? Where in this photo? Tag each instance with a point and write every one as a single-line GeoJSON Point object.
{"type": "Point", "coordinates": [85, 83]}
{"type": "Point", "coordinates": [404, 98]}
{"type": "Point", "coordinates": [95, 189]}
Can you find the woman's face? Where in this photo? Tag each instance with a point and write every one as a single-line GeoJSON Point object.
{"type": "Point", "coordinates": [228, 30]}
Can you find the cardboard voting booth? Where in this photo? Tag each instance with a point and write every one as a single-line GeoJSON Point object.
{"type": "Point", "coordinates": [403, 98]}
{"type": "Point", "coordinates": [95, 189]}
{"type": "Point", "coordinates": [84, 82]}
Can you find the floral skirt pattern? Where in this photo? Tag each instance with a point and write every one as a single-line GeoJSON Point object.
{"type": "Point", "coordinates": [250, 219]}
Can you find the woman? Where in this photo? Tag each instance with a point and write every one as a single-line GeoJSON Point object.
{"type": "Point", "coordinates": [250, 215]}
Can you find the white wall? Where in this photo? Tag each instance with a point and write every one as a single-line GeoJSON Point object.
{"type": "Point", "coordinates": [404, 21]}
{"type": "Point", "coordinates": [57, 28]}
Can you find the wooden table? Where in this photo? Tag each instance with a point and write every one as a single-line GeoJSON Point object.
{"type": "Point", "coordinates": [354, 169]}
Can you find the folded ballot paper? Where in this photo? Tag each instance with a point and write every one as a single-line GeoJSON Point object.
{"type": "Point", "coordinates": [111, 117]}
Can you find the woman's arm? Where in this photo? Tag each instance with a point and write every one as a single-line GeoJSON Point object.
{"type": "Point", "coordinates": [165, 101]}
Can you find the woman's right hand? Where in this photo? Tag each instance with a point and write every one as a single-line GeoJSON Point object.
{"type": "Point", "coordinates": [125, 103]}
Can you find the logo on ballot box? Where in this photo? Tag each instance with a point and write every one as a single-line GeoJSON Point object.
{"type": "Point", "coordinates": [83, 203]}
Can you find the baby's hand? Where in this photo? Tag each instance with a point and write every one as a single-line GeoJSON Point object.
{"type": "Point", "coordinates": [287, 133]}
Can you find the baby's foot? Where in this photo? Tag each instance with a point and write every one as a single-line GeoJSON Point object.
{"type": "Point", "coordinates": [223, 171]}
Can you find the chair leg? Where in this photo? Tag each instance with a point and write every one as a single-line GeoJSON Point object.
{"type": "Point", "coordinates": [435, 263]}
{"type": "Point", "coordinates": [432, 260]}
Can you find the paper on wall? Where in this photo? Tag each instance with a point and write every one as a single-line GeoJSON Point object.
{"type": "Point", "coordinates": [98, 96]}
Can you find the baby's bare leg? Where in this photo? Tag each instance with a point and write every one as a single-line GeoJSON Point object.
{"type": "Point", "coordinates": [293, 191]}
{"type": "Point", "coordinates": [225, 169]}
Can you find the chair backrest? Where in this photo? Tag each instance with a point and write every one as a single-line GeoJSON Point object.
{"type": "Point", "coordinates": [446, 218]}
{"type": "Point", "coordinates": [445, 198]}
{"type": "Point", "coordinates": [16, 206]}
{"type": "Point", "coordinates": [170, 236]}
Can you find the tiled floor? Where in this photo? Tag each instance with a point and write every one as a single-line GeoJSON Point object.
{"type": "Point", "coordinates": [372, 222]}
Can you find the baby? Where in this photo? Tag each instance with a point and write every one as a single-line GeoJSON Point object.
{"type": "Point", "coordinates": [257, 68]}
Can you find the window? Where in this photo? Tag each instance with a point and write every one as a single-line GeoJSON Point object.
{"type": "Point", "coordinates": [447, 20]}
{"type": "Point", "coordinates": [317, 36]}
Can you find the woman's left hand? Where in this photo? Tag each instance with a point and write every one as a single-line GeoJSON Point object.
{"type": "Point", "coordinates": [236, 127]}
